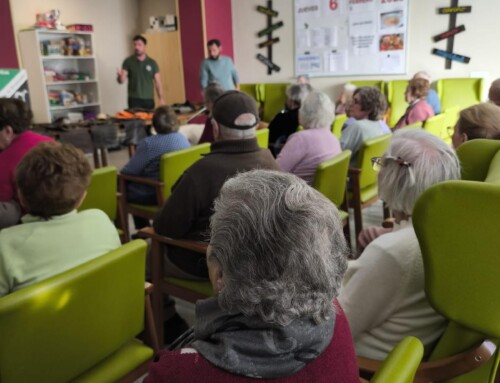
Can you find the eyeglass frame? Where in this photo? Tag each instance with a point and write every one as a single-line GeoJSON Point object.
{"type": "Point", "coordinates": [377, 162]}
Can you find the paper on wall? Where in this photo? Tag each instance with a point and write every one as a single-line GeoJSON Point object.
{"type": "Point", "coordinates": [361, 6]}
{"type": "Point", "coordinates": [335, 62]}
{"type": "Point", "coordinates": [309, 64]}
{"type": "Point", "coordinates": [323, 37]}
{"type": "Point", "coordinates": [390, 62]}
{"type": "Point", "coordinates": [362, 24]}
{"type": "Point", "coordinates": [308, 9]}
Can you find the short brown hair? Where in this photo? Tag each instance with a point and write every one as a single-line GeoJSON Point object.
{"type": "Point", "coordinates": [373, 100]}
{"type": "Point", "coordinates": [480, 121]}
{"type": "Point", "coordinates": [419, 87]}
{"type": "Point", "coordinates": [52, 178]}
{"type": "Point", "coordinates": [16, 114]}
{"type": "Point", "coordinates": [165, 120]}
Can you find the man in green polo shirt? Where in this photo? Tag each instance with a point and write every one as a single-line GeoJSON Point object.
{"type": "Point", "coordinates": [142, 71]}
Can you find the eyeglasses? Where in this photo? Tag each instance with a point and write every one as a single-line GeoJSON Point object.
{"type": "Point", "coordinates": [450, 130]}
{"type": "Point", "coordinates": [379, 162]}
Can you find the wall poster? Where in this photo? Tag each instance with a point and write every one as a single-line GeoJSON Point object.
{"type": "Point", "coordinates": [350, 37]}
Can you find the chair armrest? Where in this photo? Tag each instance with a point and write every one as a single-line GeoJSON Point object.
{"type": "Point", "coordinates": [122, 217]}
{"type": "Point", "coordinates": [188, 244]}
{"type": "Point", "coordinates": [441, 369]}
{"type": "Point", "coordinates": [354, 171]}
{"type": "Point", "coordinates": [158, 186]}
{"type": "Point", "coordinates": [150, 326]}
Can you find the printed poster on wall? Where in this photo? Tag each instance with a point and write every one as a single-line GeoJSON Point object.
{"type": "Point", "coordinates": [350, 37]}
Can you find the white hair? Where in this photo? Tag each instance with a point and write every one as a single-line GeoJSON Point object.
{"type": "Point", "coordinates": [317, 111]}
{"type": "Point", "coordinates": [298, 92]}
{"type": "Point", "coordinates": [236, 134]}
{"type": "Point", "coordinates": [280, 246]}
{"type": "Point", "coordinates": [431, 161]}
{"type": "Point", "coordinates": [424, 75]}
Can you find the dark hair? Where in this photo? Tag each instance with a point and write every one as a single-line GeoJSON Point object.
{"type": "Point", "coordinates": [213, 42]}
{"type": "Point", "coordinates": [52, 178]}
{"type": "Point", "coordinates": [372, 99]}
{"type": "Point", "coordinates": [165, 120]}
{"type": "Point", "coordinates": [419, 87]}
{"type": "Point", "coordinates": [16, 114]}
{"type": "Point", "coordinates": [142, 38]}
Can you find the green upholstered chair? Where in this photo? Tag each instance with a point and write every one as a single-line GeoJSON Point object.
{"type": "Point", "coordinates": [437, 126]}
{"type": "Point", "coordinates": [188, 290]}
{"type": "Point", "coordinates": [340, 119]}
{"type": "Point", "coordinates": [461, 274]}
{"type": "Point", "coordinates": [262, 136]}
{"type": "Point", "coordinates": [273, 99]}
{"type": "Point", "coordinates": [415, 125]}
{"type": "Point", "coordinates": [172, 166]}
{"type": "Point", "coordinates": [374, 83]}
{"type": "Point", "coordinates": [364, 180]}
{"type": "Point", "coordinates": [479, 159]}
{"type": "Point", "coordinates": [250, 89]}
{"type": "Point", "coordinates": [102, 194]}
{"type": "Point", "coordinates": [396, 98]}
{"type": "Point", "coordinates": [401, 363]}
{"type": "Point", "coordinates": [452, 115]}
{"type": "Point", "coordinates": [78, 326]}
{"type": "Point", "coordinates": [463, 92]}
{"type": "Point", "coordinates": [330, 180]}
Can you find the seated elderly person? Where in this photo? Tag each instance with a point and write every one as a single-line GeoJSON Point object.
{"type": "Point", "coordinates": [211, 93]}
{"type": "Point", "coordinates": [477, 121]}
{"type": "Point", "coordinates": [275, 315]}
{"type": "Point", "coordinates": [383, 291]}
{"type": "Point", "coordinates": [432, 97]}
{"type": "Point", "coordinates": [418, 110]}
{"type": "Point", "coordinates": [286, 122]}
{"type": "Point", "coordinates": [16, 139]}
{"type": "Point", "coordinates": [52, 180]}
{"type": "Point", "coordinates": [305, 150]}
{"type": "Point", "coordinates": [367, 108]}
{"type": "Point", "coordinates": [146, 160]}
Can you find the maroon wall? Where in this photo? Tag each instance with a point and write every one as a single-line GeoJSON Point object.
{"type": "Point", "coordinates": [8, 55]}
{"type": "Point", "coordinates": [219, 24]}
{"type": "Point", "coordinates": [191, 23]}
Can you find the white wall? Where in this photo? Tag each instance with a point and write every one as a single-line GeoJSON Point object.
{"type": "Point", "coordinates": [479, 42]}
{"type": "Point", "coordinates": [115, 23]}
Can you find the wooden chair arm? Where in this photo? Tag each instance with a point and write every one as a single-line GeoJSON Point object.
{"type": "Point", "coordinates": [158, 185]}
{"type": "Point", "coordinates": [441, 369]}
{"type": "Point", "coordinates": [121, 217]}
{"type": "Point", "coordinates": [354, 171]}
{"type": "Point", "coordinates": [149, 321]}
{"type": "Point", "coordinates": [148, 288]}
{"type": "Point", "coordinates": [188, 244]}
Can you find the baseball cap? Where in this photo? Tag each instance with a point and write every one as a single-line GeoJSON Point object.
{"type": "Point", "coordinates": [235, 109]}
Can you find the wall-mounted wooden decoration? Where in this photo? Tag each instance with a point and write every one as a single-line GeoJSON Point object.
{"type": "Point", "coordinates": [270, 40]}
{"type": "Point", "coordinates": [453, 30]}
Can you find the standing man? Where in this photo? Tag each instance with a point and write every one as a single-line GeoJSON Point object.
{"type": "Point", "coordinates": [142, 71]}
{"type": "Point", "coordinates": [218, 68]}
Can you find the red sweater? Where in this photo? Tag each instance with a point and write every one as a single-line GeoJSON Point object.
{"type": "Point", "coordinates": [337, 364]}
{"type": "Point", "coordinates": [10, 158]}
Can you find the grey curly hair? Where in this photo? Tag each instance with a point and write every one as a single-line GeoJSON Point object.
{"type": "Point", "coordinates": [373, 100]}
{"type": "Point", "coordinates": [280, 246]}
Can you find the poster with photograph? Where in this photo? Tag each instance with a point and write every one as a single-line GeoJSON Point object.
{"type": "Point", "coordinates": [351, 37]}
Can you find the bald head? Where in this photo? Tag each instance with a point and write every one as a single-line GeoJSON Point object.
{"type": "Point", "coordinates": [494, 93]}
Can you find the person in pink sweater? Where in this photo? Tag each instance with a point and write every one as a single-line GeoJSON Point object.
{"type": "Point", "coordinates": [275, 316]}
{"type": "Point", "coordinates": [305, 150]}
{"type": "Point", "coordinates": [419, 109]}
{"type": "Point", "coordinates": [15, 141]}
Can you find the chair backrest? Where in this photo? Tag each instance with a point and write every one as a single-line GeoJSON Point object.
{"type": "Point", "coordinates": [396, 97]}
{"type": "Point", "coordinates": [251, 90]}
{"type": "Point", "coordinates": [463, 92]}
{"type": "Point", "coordinates": [101, 193]}
{"type": "Point", "coordinates": [374, 147]}
{"type": "Point", "coordinates": [330, 178]}
{"type": "Point", "coordinates": [173, 164]}
{"type": "Point", "coordinates": [475, 158]}
{"type": "Point", "coordinates": [415, 125]}
{"type": "Point", "coordinates": [338, 123]}
{"type": "Point", "coordinates": [262, 136]}
{"type": "Point", "coordinates": [452, 115]}
{"type": "Point", "coordinates": [436, 125]}
{"type": "Point", "coordinates": [273, 97]}
{"type": "Point", "coordinates": [58, 328]}
{"type": "Point", "coordinates": [456, 223]}
{"type": "Point", "coordinates": [402, 362]}
{"type": "Point", "coordinates": [374, 83]}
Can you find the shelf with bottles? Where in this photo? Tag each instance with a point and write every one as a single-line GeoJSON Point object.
{"type": "Point", "coordinates": [65, 96]}
{"type": "Point", "coordinates": [64, 45]}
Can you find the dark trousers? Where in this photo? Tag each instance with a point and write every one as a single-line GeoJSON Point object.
{"type": "Point", "coordinates": [141, 103]}
{"type": "Point", "coordinates": [142, 199]}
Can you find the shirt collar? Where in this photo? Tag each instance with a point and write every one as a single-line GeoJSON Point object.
{"type": "Point", "coordinates": [28, 218]}
{"type": "Point", "coordinates": [235, 146]}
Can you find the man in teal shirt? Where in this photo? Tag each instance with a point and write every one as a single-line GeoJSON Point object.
{"type": "Point", "coordinates": [218, 68]}
{"type": "Point", "coordinates": [142, 72]}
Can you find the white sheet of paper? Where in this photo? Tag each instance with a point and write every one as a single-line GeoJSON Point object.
{"type": "Point", "coordinates": [362, 24]}
{"type": "Point", "coordinates": [335, 62]}
{"type": "Point", "coordinates": [390, 62]}
{"type": "Point", "coordinates": [323, 37]}
{"type": "Point", "coordinates": [309, 64]}
{"type": "Point", "coordinates": [361, 6]}
{"type": "Point", "coordinates": [303, 40]}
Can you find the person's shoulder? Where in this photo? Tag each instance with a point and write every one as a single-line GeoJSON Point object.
{"type": "Point", "coordinates": [402, 242]}
{"type": "Point", "coordinates": [94, 215]}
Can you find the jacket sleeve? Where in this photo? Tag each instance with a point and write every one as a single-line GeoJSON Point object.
{"type": "Point", "coordinates": [177, 216]}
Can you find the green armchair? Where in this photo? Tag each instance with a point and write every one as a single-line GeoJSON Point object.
{"type": "Point", "coordinates": [80, 325]}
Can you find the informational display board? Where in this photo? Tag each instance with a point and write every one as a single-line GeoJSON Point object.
{"type": "Point", "coordinates": [350, 37]}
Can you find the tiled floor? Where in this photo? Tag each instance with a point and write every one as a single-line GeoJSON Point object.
{"type": "Point", "coordinates": [372, 216]}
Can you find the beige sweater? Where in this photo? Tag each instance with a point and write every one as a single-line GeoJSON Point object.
{"type": "Point", "coordinates": [383, 295]}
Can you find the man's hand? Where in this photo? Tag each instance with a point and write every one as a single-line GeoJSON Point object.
{"type": "Point", "coordinates": [121, 75]}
